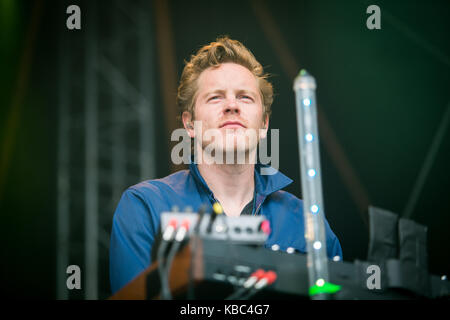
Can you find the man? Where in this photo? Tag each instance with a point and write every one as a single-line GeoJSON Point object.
{"type": "Point", "coordinates": [225, 100]}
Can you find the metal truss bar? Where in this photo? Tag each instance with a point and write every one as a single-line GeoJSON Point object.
{"type": "Point", "coordinates": [118, 160]}
{"type": "Point", "coordinates": [146, 85]}
{"type": "Point", "coordinates": [107, 123]}
{"type": "Point", "coordinates": [63, 182]}
{"type": "Point", "coordinates": [91, 173]}
{"type": "Point", "coordinates": [120, 83]}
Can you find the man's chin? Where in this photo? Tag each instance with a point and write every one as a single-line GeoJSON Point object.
{"type": "Point", "coordinates": [233, 149]}
{"type": "Point", "coordinates": [231, 155]}
{"type": "Point", "coordinates": [233, 130]}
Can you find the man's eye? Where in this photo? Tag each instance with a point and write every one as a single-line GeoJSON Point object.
{"type": "Point", "coordinates": [213, 98]}
{"type": "Point", "coordinates": [246, 97]}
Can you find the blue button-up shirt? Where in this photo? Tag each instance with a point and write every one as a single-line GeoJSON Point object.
{"type": "Point", "coordinates": [137, 217]}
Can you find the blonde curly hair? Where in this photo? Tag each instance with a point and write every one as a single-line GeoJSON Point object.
{"type": "Point", "coordinates": [221, 51]}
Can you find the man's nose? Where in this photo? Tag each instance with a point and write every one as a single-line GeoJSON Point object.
{"type": "Point", "coordinates": [232, 106]}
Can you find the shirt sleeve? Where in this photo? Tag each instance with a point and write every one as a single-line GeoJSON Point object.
{"type": "Point", "coordinates": [333, 244]}
{"type": "Point", "coordinates": [131, 239]}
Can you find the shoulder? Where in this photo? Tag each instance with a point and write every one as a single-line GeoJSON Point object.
{"type": "Point", "coordinates": [287, 200]}
{"type": "Point", "coordinates": [141, 204]}
{"type": "Point", "coordinates": [173, 183]}
{"type": "Point", "coordinates": [152, 196]}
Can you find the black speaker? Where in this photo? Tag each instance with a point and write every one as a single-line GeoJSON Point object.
{"type": "Point", "coordinates": [383, 242]}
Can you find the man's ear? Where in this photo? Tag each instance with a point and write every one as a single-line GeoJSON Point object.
{"type": "Point", "coordinates": [264, 128]}
{"type": "Point", "coordinates": [188, 123]}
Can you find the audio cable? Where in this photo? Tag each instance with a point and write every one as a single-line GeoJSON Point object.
{"type": "Point", "coordinates": [266, 280]}
{"type": "Point", "coordinates": [254, 277]}
{"type": "Point", "coordinates": [167, 238]}
{"type": "Point", "coordinates": [196, 234]}
{"type": "Point", "coordinates": [178, 240]}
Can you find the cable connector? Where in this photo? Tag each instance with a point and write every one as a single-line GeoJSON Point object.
{"type": "Point", "coordinates": [267, 279]}
{"type": "Point", "coordinates": [170, 230]}
{"type": "Point", "coordinates": [182, 231]}
{"type": "Point", "coordinates": [255, 276]}
{"type": "Point", "coordinates": [265, 227]}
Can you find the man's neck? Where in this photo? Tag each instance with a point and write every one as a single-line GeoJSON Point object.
{"type": "Point", "coordinates": [232, 184]}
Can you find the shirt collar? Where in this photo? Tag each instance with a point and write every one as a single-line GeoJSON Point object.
{"type": "Point", "coordinates": [264, 184]}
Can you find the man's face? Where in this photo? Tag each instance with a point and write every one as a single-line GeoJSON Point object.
{"type": "Point", "coordinates": [228, 103]}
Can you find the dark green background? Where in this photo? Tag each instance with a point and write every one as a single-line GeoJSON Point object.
{"type": "Point", "coordinates": [384, 93]}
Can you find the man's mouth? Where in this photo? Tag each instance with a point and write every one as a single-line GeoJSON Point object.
{"type": "Point", "coordinates": [232, 125]}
